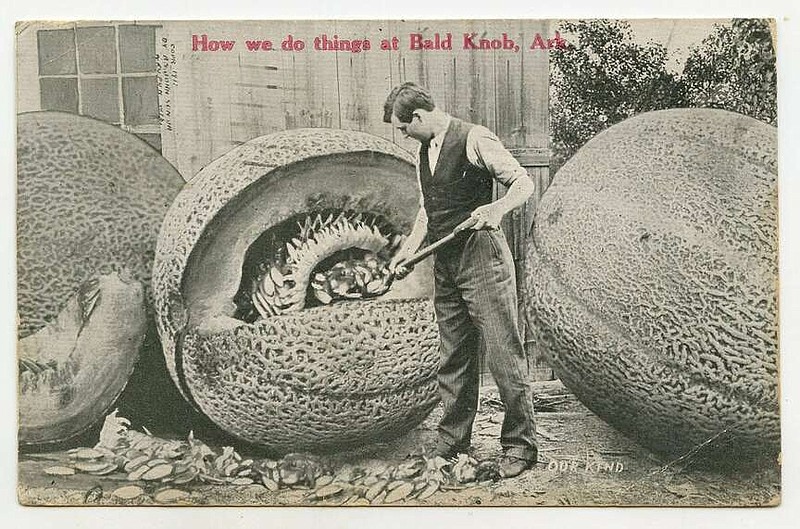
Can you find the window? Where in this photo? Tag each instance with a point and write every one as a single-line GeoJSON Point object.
{"type": "Point", "coordinates": [104, 72]}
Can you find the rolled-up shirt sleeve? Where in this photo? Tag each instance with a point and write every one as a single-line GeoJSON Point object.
{"type": "Point", "coordinates": [485, 150]}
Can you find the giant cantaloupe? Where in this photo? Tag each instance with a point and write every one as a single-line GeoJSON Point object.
{"type": "Point", "coordinates": [90, 201]}
{"type": "Point", "coordinates": [652, 281]}
{"type": "Point", "coordinates": [321, 378]}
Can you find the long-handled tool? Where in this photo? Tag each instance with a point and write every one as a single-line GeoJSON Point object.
{"type": "Point", "coordinates": [422, 254]}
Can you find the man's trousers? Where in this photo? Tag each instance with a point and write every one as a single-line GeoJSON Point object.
{"type": "Point", "coordinates": [476, 302]}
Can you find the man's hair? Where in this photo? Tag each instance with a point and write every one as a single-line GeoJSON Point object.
{"type": "Point", "coordinates": [404, 99]}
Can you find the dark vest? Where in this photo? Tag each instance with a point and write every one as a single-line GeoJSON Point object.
{"type": "Point", "coordinates": [456, 187]}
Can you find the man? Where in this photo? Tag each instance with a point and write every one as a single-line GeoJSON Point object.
{"type": "Point", "coordinates": [474, 282]}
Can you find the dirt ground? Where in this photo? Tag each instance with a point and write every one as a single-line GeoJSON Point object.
{"type": "Point", "coordinates": [582, 461]}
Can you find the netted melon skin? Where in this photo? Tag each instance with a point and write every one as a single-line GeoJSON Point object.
{"type": "Point", "coordinates": [652, 281]}
{"type": "Point", "coordinates": [90, 201]}
{"type": "Point", "coordinates": [291, 172]}
{"type": "Point", "coordinates": [321, 379]}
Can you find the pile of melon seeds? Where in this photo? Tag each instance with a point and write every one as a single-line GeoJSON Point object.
{"type": "Point", "coordinates": [162, 470]}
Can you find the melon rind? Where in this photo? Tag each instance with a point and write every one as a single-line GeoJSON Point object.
{"type": "Point", "coordinates": [96, 353]}
{"type": "Point", "coordinates": [652, 281]}
{"type": "Point", "coordinates": [90, 201]}
{"type": "Point", "coordinates": [259, 184]}
{"type": "Point", "coordinates": [321, 379]}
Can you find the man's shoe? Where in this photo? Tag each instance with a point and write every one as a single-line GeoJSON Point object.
{"type": "Point", "coordinates": [511, 466]}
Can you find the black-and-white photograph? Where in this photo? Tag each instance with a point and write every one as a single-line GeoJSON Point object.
{"type": "Point", "coordinates": [372, 263]}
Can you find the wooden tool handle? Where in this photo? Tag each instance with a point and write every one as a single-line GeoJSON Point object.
{"type": "Point", "coordinates": [425, 252]}
{"type": "Point", "coordinates": [422, 254]}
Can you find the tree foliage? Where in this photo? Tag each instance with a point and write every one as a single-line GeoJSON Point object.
{"type": "Point", "coordinates": [604, 76]}
{"type": "Point", "coordinates": [601, 78]}
{"type": "Point", "coordinates": [734, 69]}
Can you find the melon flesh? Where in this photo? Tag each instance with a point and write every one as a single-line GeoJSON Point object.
{"type": "Point", "coordinates": [652, 281]}
{"type": "Point", "coordinates": [86, 354]}
{"type": "Point", "coordinates": [319, 379]}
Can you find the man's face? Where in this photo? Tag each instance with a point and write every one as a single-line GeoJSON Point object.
{"type": "Point", "coordinates": [417, 128]}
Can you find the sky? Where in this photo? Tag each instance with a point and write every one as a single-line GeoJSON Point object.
{"type": "Point", "coordinates": [679, 36]}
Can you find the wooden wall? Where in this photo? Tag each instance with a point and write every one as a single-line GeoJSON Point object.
{"type": "Point", "coordinates": [224, 98]}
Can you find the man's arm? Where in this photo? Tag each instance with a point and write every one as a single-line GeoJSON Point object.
{"type": "Point", "coordinates": [411, 244]}
{"type": "Point", "coordinates": [484, 149]}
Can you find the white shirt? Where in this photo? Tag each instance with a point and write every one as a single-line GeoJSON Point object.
{"type": "Point", "coordinates": [484, 150]}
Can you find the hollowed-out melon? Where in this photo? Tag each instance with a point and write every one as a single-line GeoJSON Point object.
{"type": "Point", "coordinates": [652, 281]}
{"type": "Point", "coordinates": [90, 201]}
{"type": "Point", "coordinates": [321, 378]}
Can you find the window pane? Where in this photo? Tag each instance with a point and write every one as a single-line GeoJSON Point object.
{"type": "Point", "coordinates": [153, 139]}
{"type": "Point", "coordinates": [97, 50]}
{"type": "Point", "coordinates": [59, 94]}
{"type": "Point", "coordinates": [137, 48]}
{"type": "Point", "coordinates": [100, 99]}
{"type": "Point", "coordinates": [56, 51]}
{"type": "Point", "coordinates": [140, 98]}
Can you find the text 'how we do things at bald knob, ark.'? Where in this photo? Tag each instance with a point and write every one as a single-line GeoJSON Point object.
{"type": "Point", "coordinates": [414, 42]}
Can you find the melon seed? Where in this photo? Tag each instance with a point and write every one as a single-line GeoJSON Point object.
{"type": "Point", "coordinates": [133, 454]}
{"type": "Point", "coordinates": [394, 484]}
{"type": "Point", "coordinates": [90, 466]}
{"type": "Point", "coordinates": [171, 495]}
{"type": "Point", "coordinates": [59, 471]}
{"type": "Point", "coordinates": [157, 472]}
{"type": "Point", "coordinates": [138, 473]}
{"type": "Point", "coordinates": [109, 468]}
{"type": "Point", "coordinates": [128, 492]}
{"type": "Point", "coordinates": [377, 500]}
{"type": "Point", "coordinates": [133, 464]}
{"type": "Point", "coordinates": [328, 490]}
{"type": "Point", "coordinates": [88, 453]}
{"type": "Point", "coordinates": [375, 489]}
{"type": "Point", "coordinates": [242, 481]}
{"type": "Point", "coordinates": [270, 484]}
{"type": "Point", "coordinates": [350, 500]}
{"type": "Point", "coordinates": [399, 493]}
{"type": "Point", "coordinates": [327, 479]}
{"type": "Point", "coordinates": [429, 490]}
{"type": "Point", "coordinates": [185, 477]}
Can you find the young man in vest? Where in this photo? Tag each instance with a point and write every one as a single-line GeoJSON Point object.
{"type": "Point", "coordinates": [474, 279]}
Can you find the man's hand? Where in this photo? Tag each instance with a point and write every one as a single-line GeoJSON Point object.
{"type": "Point", "coordinates": [397, 267]}
{"type": "Point", "coordinates": [413, 242]}
{"type": "Point", "coordinates": [488, 217]}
